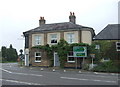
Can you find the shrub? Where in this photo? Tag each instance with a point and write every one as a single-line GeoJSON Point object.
{"type": "Point", "coordinates": [106, 67]}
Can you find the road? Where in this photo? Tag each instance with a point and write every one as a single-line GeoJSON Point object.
{"type": "Point", "coordinates": [12, 74]}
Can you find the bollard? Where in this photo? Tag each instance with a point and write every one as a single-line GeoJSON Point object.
{"type": "Point", "coordinates": [41, 69]}
{"type": "Point", "coordinates": [64, 70]}
{"type": "Point", "coordinates": [80, 72]}
{"type": "Point", "coordinates": [53, 70]}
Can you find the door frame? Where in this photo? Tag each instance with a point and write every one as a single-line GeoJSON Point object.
{"type": "Point", "coordinates": [55, 58]}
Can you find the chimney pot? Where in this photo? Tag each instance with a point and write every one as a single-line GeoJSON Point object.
{"type": "Point", "coordinates": [42, 21]}
{"type": "Point", "coordinates": [72, 17]}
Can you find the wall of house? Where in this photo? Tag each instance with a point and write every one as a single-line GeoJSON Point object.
{"type": "Point", "coordinates": [74, 65]}
{"type": "Point", "coordinates": [86, 37]}
{"type": "Point", "coordinates": [45, 61]}
{"type": "Point", "coordinates": [80, 36]}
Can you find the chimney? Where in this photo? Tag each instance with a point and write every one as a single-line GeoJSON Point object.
{"type": "Point", "coordinates": [41, 21]}
{"type": "Point", "coordinates": [72, 18]}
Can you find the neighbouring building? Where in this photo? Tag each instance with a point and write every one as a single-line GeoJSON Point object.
{"type": "Point", "coordinates": [110, 34]}
{"type": "Point", "coordinates": [51, 34]}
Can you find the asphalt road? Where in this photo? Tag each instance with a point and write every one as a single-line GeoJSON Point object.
{"type": "Point", "coordinates": [12, 74]}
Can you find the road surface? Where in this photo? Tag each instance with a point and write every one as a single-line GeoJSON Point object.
{"type": "Point", "coordinates": [12, 74]}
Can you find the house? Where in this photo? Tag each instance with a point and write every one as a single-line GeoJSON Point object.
{"type": "Point", "coordinates": [111, 35]}
{"type": "Point", "coordinates": [51, 34]}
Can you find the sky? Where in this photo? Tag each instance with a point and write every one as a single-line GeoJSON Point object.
{"type": "Point", "coordinates": [18, 16]}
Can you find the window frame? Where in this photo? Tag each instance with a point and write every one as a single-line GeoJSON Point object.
{"type": "Point", "coordinates": [53, 38]}
{"type": "Point", "coordinates": [37, 56]}
{"type": "Point", "coordinates": [70, 38]}
{"type": "Point", "coordinates": [117, 46]}
{"type": "Point", "coordinates": [70, 57]}
{"type": "Point", "coordinates": [37, 40]}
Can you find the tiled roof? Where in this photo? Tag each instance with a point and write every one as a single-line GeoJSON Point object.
{"type": "Point", "coordinates": [110, 32]}
{"type": "Point", "coordinates": [59, 27]}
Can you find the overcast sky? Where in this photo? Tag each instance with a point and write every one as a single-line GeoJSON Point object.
{"type": "Point", "coordinates": [17, 16]}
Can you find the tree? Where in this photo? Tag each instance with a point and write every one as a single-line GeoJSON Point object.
{"type": "Point", "coordinates": [4, 52]}
{"type": "Point", "coordinates": [9, 54]}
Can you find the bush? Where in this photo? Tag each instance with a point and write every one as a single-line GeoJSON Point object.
{"type": "Point", "coordinates": [106, 67]}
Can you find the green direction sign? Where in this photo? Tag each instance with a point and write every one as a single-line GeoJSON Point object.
{"type": "Point", "coordinates": [80, 51]}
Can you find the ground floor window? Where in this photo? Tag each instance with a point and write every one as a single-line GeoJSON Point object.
{"type": "Point", "coordinates": [70, 57]}
{"type": "Point", "coordinates": [37, 56]}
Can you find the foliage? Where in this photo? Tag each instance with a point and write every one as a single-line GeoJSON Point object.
{"type": "Point", "coordinates": [9, 54]}
{"type": "Point", "coordinates": [106, 67]}
{"type": "Point", "coordinates": [107, 50]}
{"type": "Point", "coordinates": [62, 48]}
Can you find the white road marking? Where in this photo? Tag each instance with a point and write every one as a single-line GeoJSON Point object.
{"type": "Point", "coordinates": [88, 79]}
{"type": "Point", "coordinates": [21, 82]}
{"type": "Point", "coordinates": [6, 70]}
{"type": "Point", "coordinates": [26, 74]}
{"type": "Point", "coordinates": [19, 73]}
{"type": "Point", "coordinates": [106, 73]}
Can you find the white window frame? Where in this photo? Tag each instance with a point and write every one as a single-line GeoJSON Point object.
{"type": "Point", "coordinates": [37, 39]}
{"type": "Point", "coordinates": [37, 56]}
{"type": "Point", "coordinates": [70, 38]}
{"type": "Point", "coordinates": [68, 56]}
{"type": "Point", "coordinates": [117, 46]}
{"type": "Point", "coordinates": [53, 38]}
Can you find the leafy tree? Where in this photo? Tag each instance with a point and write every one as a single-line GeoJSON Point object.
{"type": "Point", "coordinates": [9, 54]}
{"type": "Point", "coordinates": [4, 52]}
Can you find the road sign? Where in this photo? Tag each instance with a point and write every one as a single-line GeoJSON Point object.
{"type": "Point", "coordinates": [80, 51]}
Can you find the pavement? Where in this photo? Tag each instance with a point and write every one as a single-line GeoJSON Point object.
{"type": "Point", "coordinates": [68, 70]}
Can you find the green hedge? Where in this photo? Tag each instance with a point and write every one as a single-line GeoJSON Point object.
{"type": "Point", "coordinates": [106, 67]}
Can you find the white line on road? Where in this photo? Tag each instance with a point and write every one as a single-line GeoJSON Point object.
{"type": "Point", "coordinates": [21, 82]}
{"type": "Point", "coordinates": [19, 73]}
{"type": "Point", "coordinates": [6, 70]}
{"type": "Point", "coordinates": [88, 79]}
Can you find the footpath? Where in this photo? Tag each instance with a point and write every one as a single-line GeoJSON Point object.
{"type": "Point", "coordinates": [68, 70]}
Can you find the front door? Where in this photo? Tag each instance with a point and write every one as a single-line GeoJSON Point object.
{"type": "Point", "coordinates": [56, 59]}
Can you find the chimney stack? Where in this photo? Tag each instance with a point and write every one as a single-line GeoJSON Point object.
{"type": "Point", "coordinates": [41, 21]}
{"type": "Point", "coordinates": [72, 18]}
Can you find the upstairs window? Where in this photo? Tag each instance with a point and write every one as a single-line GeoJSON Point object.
{"type": "Point", "coordinates": [118, 46]}
{"type": "Point", "coordinates": [53, 38]}
{"type": "Point", "coordinates": [37, 40]}
{"type": "Point", "coordinates": [70, 38]}
{"type": "Point", "coordinates": [37, 56]}
{"type": "Point", "coordinates": [70, 57]}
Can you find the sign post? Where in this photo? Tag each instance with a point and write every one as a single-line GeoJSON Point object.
{"type": "Point", "coordinates": [93, 56]}
{"type": "Point", "coordinates": [79, 51]}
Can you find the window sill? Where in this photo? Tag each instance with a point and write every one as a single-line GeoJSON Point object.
{"type": "Point", "coordinates": [37, 61]}
{"type": "Point", "coordinates": [71, 61]}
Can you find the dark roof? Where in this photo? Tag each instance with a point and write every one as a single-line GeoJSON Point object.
{"type": "Point", "coordinates": [59, 27]}
{"type": "Point", "coordinates": [110, 32]}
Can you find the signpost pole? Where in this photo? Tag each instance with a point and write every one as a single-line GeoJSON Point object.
{"type": "Point", "coordinates": [76, 62]}
{"type": "Point", "coordinates": [83, 61]}
{"type": "Point", "coordinates": [92, 62]}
